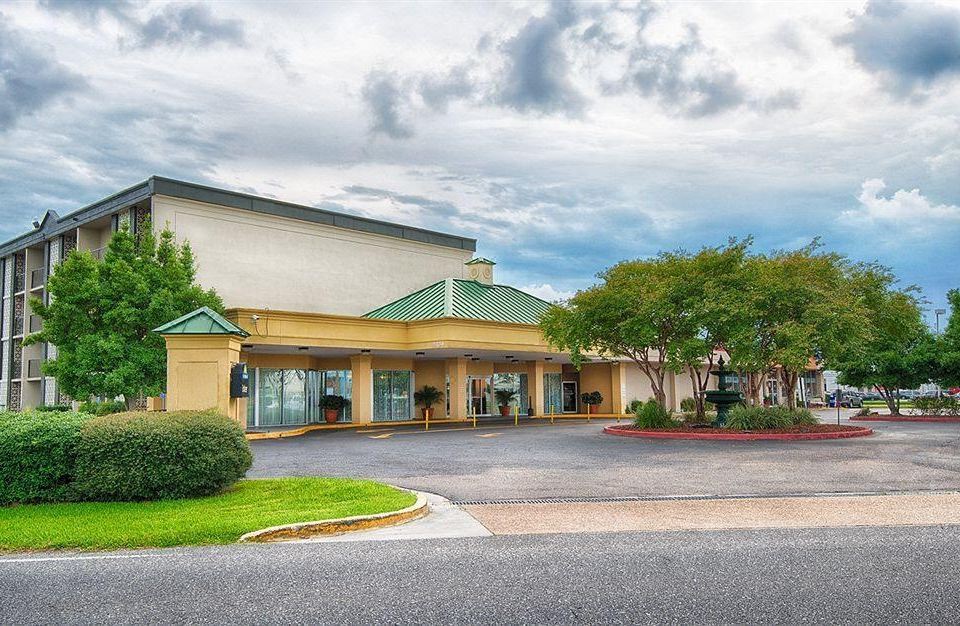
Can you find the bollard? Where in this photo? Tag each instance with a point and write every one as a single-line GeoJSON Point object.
{"type": "Point", "coordinates": [551, 413]}
{"type": "Point", "coordinates": [426, 419]}
{"type": "Point", "coordinates": [474, 417]}
{"type": "Point", "coordinates": [516, 416]}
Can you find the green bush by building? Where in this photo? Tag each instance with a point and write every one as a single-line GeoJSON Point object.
{"type": "Point", "coordinates": [38, 455]}
{"type": "Point", "coordinates": [64, 456]}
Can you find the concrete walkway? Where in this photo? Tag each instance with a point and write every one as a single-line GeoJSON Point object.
{"type": "Point", "coordinates": [445, 521]}
{"type": "Point", "coordinates": [719, 514]}
{"type": "Point", "coordinates": [697, 514]}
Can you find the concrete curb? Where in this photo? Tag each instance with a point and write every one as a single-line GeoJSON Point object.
{"type": "Point", "coordinates": [303, 430]}
{"type": "Point", "coordinates": [943, 419]}
{"type": "Point", "coordinates": [620, 431]}
{"type": "Point", "coordinates": [306, 530]}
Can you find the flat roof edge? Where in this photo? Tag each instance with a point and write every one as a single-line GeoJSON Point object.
{"type": "Point", "coordinates": [160, 185]}
{"type": "Point", "coordinates": [235, 199]}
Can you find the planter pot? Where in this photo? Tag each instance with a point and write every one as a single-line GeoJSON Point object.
{"type": "Point", "coordinates": [505, 411]}
{"type": "Point", "coordinates": [426, 413]}
{"type": "Point", "coordinates": [593, 408]}
{"type": "Point", "coordinates": [330, 415]}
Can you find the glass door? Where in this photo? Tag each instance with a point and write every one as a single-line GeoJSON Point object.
{"type": "Point", "coordinates": [479, 390]}
{"type": "Point", "coordinates": [552, 396]}
{"type": "Point", "coordinates": [392, 395]}
{"type": "Point", "coordinates": [569, 396]}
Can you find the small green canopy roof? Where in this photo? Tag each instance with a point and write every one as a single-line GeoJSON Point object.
{"type": "Point", "coordinates": [203, 321]}
{"type": "Point", "coordinates": [479, 259]}
{"type": "Point", "coordinates": [466, 299]}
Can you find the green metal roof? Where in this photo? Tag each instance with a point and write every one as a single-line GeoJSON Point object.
{"type": "Point", "coordinates": [479, 259]}
{"type": "Point", "coordinates": [203, 321]}
{"type": "Point", "coordinates": [466, 299]}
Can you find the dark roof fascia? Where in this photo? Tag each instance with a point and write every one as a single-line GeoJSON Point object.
{"type": "Point", "coordinates": [51, 228]}
{"type": "Point", "coordinates": [202, 193]}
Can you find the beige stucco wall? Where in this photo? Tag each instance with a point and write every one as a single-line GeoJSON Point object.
{"type": "Point", "coordinates": [263, 261]}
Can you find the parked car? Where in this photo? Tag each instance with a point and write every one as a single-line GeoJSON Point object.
{"type": "Point", "coordinates": [851, 400]}
{"type": "Point", "coordinates": [871, 395]}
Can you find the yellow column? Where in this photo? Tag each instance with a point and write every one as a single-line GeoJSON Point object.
{"type": "Point", "coordinates": [456, 370]}
{"type": "Point", "coordinates": [616, 387]}
{"type": "Point", "coordinates": [198, 374]}
{"type": "Point", "coordinates": [535, 385]}
{"type": "Point", "coordinates": [362, 401]}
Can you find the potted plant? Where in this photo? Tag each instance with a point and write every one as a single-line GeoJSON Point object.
{"type": "Point", "coordinates": [332, 406]}
{"type": "Point", "coordinates": [504, 398]}
{"type": "Point", "coordinates": [426, 398]}
{"type": "Point", "coordinates": [592, 400]}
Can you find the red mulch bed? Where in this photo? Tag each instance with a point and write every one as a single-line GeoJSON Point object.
{"type": "Point", "coordinates": [796, 433]}
{"type": "Point", "coordinates": [949, 419]}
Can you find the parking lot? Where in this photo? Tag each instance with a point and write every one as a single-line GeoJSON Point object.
{"type": "Point", "coordinates": [575, 459]}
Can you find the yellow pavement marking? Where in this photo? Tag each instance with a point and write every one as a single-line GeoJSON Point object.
{"type": "Point", "coordinates": [377, 430]}
{"type": "Point", "coordinates": [490, 435]}
{"type": "Point", "coordinates": [383, 436]}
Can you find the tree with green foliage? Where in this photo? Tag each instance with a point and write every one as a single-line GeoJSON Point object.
{"type": "Point", "coordinates": [899, 352]}
{"type": "Point", "coordinates": [668, 313]}
{"type": "Point", "coordinates": [795, 305]}
{"type": "Point", "coordinates": [101, 314]}
{"type": "Point", "coordinates": [948, 345]}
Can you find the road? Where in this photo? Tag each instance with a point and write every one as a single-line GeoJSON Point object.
{"type": "Point", "coordinates": [578, 460]}
{"type": "Point", "coordinates": [852, 575]}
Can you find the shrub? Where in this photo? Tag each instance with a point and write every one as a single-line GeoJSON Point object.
{"type": "Point", "coordinates": [652, 415]}
{"type": "Point", "coordinates": [102, 408]}
{"type": "Point", "coordinates": [688, 405]}
{"type": "Point", "coordinates": [151, 456]}
{"type": "Point", "coordinates": [37, 455]}
{"type": "Point", "coordinates": [770, 417]}
{"type": "Point", "coordinates": [944, 405]}
{"type": "Point", "coordinates": [53, 408]}
{"type": "Point", "coordinates": [634, 406]}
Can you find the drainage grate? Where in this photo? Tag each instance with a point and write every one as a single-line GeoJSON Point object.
{"type": "Point", "coordinates": [749, 496]}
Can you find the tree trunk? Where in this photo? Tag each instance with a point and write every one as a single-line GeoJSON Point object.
{"type": "Point", "coordinates": [789, 380]}
{"type": "Point", "coordinates": [890, 397]}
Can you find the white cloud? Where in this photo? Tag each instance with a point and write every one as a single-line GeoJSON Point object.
{"type": "Point", "coordinates": [547, 292]}
{"type": "Point", "coordinates": [909, 210]}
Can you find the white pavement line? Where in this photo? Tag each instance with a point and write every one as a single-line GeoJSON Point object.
{"type": "Point", "coordinates": [445, 520]}
{"type": "Point", "coordinates": [83, 558]}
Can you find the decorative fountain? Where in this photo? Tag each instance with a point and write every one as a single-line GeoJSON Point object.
{"type": "Point", "coordinates": [722, 397]}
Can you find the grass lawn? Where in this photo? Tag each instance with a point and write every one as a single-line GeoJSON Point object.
{"type": "Point", "coordinates": [248, 505]}
{"type": "Point", "coordinates": [904, 404]}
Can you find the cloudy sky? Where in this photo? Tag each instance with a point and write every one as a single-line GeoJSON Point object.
{"type": "Point", "coordinates": [563, 136]}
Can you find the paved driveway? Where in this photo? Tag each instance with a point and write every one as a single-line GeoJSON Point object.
{"type": "Point", "coordinates": [578, 460]}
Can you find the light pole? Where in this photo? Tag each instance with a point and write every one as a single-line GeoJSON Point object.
{"type": "Point", "coordinates": [938, 313]}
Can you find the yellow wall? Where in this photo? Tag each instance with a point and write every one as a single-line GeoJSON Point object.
{"type": "Point", "coordinates": [198, 374]}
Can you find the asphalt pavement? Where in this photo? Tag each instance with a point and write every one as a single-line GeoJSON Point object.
{"type": "Point", "coordinates": [575, 459]}
{"type": "Point", "coordinates": [849, 575]}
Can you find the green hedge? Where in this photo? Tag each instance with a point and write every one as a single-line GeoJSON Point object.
{"type": "Point", "coordinates": [38, 454]}
{"type": "Point", "coordinates": [768, 417]}
{"type": "Point", "coordinates": [153, 456]}
{"type": "Point", "coordinates": [652, 415]}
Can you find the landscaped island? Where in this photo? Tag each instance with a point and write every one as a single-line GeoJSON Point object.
{"type": "Point", "coordinates": [744, 424]}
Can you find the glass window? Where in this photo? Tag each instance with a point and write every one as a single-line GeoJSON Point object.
{"type": "Point", "coordinates": [294, 397]}
{"type": "Point", "coordinates": [340, 383]}
{"type": "Point", "coordinates": [391, 395]}
{"type": "Point", "coordinates": [552, 394]}
{"type": "Point", "coordinates": [269, 392]}
{"type": "Point", "coordinates": [516, 383]}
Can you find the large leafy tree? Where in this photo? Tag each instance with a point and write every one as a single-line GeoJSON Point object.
{"type": "Point", "coordinates": [795, 305]}
{"type": "Point", "coordinates": [101, 314]}
{"type": "Point", "coordinates": [666, 313]}
{"type": "Point", "coordinates": [948, 345]}
{"type": "Point", "coordinates": [898, 352]}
